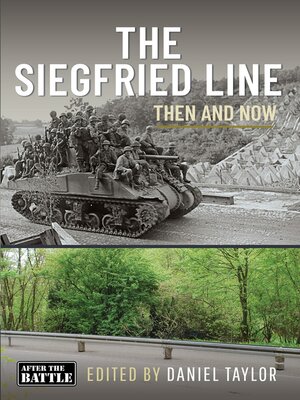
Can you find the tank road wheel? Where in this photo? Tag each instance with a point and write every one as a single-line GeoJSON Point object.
{"type": "Point", "coordinates": [57, 216]}
{"type": "Point", "coordinates": [40, 214]}
{"type": "Point", "coordinates": [22, 203]}
{"type": "Point", "coordinates": [147, 215]}
{"type": "Point", "coordinates": [108, 221]}
{"type": "Point", "coordinates": [92, 220]}
{"type": "Point", "coordinates": [132, 225]}
{"type": "Point", "coordinates": [70, 219]}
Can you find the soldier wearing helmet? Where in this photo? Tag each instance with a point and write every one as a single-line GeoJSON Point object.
{"type": "Point", "coordinates": [88, 112]}
{"type": "Point", "coordinates": [80, 138]}
{"type": "Point", "coordinates": [94, 142]}
{"type": "Point", "coordinates": [70, 117]}
{"type": "Point", "coordinates": [54, 121]}
{"type": "Point", "coordinates": [137, 155]}
{"type": "Point", "coordinates": [104, 128]}
{"type": "Point", "coordinates": [38, 147]}
{"type": "Point", "coordinates": [60, 150]}
{"type": "Point", "coordinates": [52, 135]}
{"type": "Point", "coordinates": [112, 119]}
{"type": "Point", "coordinates": [117, 124]}
{"type": "Point", "coordinates": [174, 167]}
{"type": "Point", "coordinates": [147, 142]}
{"type": "Point", "coordinates": [46, 157]}
{"type": "Point", "coordinates": [106, 160]}
{"type": "Point", "coordinates": [20, 163]}
{"type": "Point", "coordinates": [28, 157]}
{"type": "Point", "coordinates": [64, 125]}
{"type": "Point", "coordinates": [127, 169]}
{"type": "Point", "coordinates": [122, 132]}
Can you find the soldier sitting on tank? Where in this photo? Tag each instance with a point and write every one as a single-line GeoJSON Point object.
{"type": "Point", "coordinates": [117, 140]}
{"type": "Point", "coordinates": [20, 162]}
{"type": "Point", "coordinates": [137, 155]}
{"type": "Point", "coordinates": [94, 143]}
{"type": "Point", "coordinates": [104, 124]}
{"type": "Point", "coordinates": [103, 128]}
{"type": "Point", "coordinates": [46, 158]}
{"type": "Point", "coordinates": [55, 121]}
{"type": "Point", "coordinates": [60, 149]}
{"type": "Point", "coordinates": [38, 147]}
{"type": "Point", "coordinates": [88, 112]}
{"type": "Point", "coordinates": [70, 118]}
{"type": "Point", "coordinates": [117, 124]}
{"type": "Point", "coordinates": [107, 159]}
{"type": "Point", "coordinates": [84, 122]}
{"type": "Point", "coordinates": [65, 124]}
{"type": "Point", "coordinates": [123, 133]}
{"type": "Point", "coordinates": [80, 138]}
{"type": "Point", "coordinates": [52, 136]}
{"type": "Point", "coordinates": [111, 120]}
{"type": "Point", "coordinates": [28, 158]}
{"type": "Point", "coordinates": [127, 169]}
{"type": "Point", "coordinates": [147, 142]}
{"type": "Point", "coordinates": [174, 167]}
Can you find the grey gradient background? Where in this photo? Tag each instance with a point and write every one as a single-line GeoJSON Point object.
{"type": "Point", "coordinates": [71, 32]}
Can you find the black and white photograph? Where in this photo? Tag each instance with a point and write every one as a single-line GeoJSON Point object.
{"type": "Point", "coordinates": [176, 130]}
{"type": "Point", "coordinates": [150, 200]}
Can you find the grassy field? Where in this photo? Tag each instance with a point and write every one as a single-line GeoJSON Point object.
{"type": "Point", "coordinates": [21, 132]}
{"type": "Point", "coordinates": [26, 131]}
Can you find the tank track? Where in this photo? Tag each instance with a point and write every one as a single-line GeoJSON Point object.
{"type": "Point", "coordinates": [45, 208]}
{"type": "Point", "coordinates": [179, 212]}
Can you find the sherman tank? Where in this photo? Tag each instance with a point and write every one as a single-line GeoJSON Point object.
{"type": "Point", "coordinates": [115, 208]}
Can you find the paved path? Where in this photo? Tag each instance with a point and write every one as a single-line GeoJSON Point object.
{"type": "Point", "coordinates": [107, 355]}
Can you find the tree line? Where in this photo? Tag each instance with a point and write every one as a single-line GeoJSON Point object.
{"type": "Point", "coordinates": [231, 295]}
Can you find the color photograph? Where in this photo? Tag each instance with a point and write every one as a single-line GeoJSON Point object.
{"type": "Point", "coordinates": [221, 322]}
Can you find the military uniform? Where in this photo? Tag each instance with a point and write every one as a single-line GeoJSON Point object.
{"type": "Point", "coordinates": [88, 113]}
{"type": "Point", "coordinates": [20, 164]}
{"type": "Point", "coordinates": [80, 138]}
{"type": "Point", "coordinates": [94, 142]}
{"type": "Point", "coordinates": [61, 149]}
{"type": "Point", "coordinates": [147, 143]}
{"type": "Point", "coordinates": [107, 160]}
{"type": "Point", "coordinates": [126, 168]}
{"type": "Point", "coordinates": [28, 161]}
{"type": "Point", "coordinates": [124, 139]}
{"type": "Point", "coordinates": [136, 154]}
{"type": "Point", "coordinates": [65, 125]}
{"type": "Point", "coordinates": [174, 166]}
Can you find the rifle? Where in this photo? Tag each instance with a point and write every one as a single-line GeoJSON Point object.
{"type": "Point", "coordinates": [19, 156]}
{"type": "Point", "coordinates": [46, 134]}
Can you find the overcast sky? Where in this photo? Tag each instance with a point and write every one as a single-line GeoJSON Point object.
{"type": "Point", "coordinates": [74, 32]}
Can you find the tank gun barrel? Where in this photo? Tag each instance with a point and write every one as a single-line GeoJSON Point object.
{"type": "Point", "coordinates": [160, 157]}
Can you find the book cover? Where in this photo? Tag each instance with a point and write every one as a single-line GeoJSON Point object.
{"type": "Point", "coordinates": [150, 177]}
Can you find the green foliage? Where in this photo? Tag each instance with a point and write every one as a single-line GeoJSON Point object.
{"type": "Point", "coordinates": [101, 291]}
{"type": "Point", "coordinates": [23, 285]}
{"type": "Point", "coordinates": [232, 295]}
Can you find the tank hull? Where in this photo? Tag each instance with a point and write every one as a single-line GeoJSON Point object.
{"type": "Point", "coordinates": [115, 208]}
